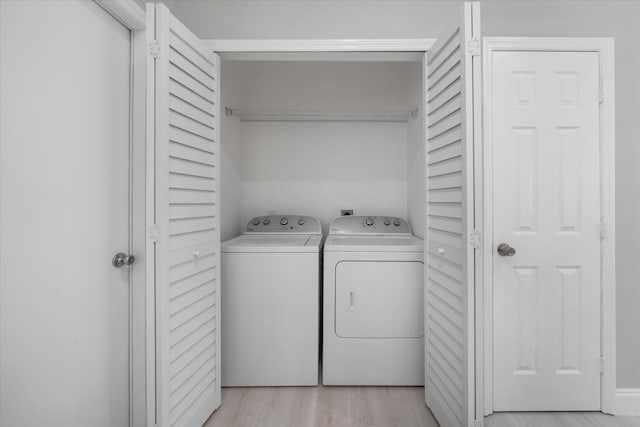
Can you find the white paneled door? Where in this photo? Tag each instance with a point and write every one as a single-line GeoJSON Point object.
{"type": "Point", "coordinates": [546, 181]}
{"type": "Point", "coordinates": [450, 284]}
{"type": "Point", "coordinates": [64, 213]}
{"type": "Point", "coordinates": [183, 82]}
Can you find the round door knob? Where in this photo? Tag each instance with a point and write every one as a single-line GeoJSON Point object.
{"type": "Point", "coordinates": [266, 221]}
{"type": "Point", "coordinates": [505, 250]}
{"type": "Point", "coordinates": [284, 221]}
{"type": "Point", "coordinates": [397, 223]}
{"type": "Point", "coordinates": [255, 221]}
{"type": "Point", "coordinates": [121, 259]}
{"type": "Point", "coordinates": [301, 221]}
{"type": "Point", "coordinates": [369, 221]}
{"type": "Point", "coordinates": [387, 221]}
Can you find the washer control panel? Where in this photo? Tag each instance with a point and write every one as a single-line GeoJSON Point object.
{"type": "Point", "coordinates": [370, 225]}
{"type": "Point", "coordinates": [299, 224]}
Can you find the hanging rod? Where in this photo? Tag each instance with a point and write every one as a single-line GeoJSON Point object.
{"type": "Point", "coordinates": [265, 115]}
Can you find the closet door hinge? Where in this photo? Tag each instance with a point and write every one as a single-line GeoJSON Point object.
{"type": "Point", "coordinates": [475, 239]}
{"type": "Point", "coordinates": [154, 233]}
{"type": "Point", "coordinates": [601, 365]}
{"type": "Point", "coordinates": [154, 49]}
{"type": "Point", "coordinates": [473, 46]}
{"type": "Point", "coordinates": [603, 230]}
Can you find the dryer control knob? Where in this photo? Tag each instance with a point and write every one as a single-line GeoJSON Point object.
{"type": "Point", "coordinates": [397, 223]}
{"type": "Point", "coordinates": [266, 221]}
{"type": "Point", "coordinates": [387, 221]}
{"type": "Point", "coordinates": [284, 221]}
{"type": "Point", "coordinates": [301, 221]}
{"type": "Point", "coordinates": [369, 221]}
{"type": "Point", "coordinates": [255, 221]}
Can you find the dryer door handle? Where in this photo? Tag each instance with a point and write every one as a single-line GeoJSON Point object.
{"type": "Point", "coordinates": [352, 300]}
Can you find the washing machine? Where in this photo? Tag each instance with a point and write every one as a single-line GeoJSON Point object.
{"type": "Point", "coordinates": [270, 303]}
{"type": "Point", "coordinates": [373, 315]}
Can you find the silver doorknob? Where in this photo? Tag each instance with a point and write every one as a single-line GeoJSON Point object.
{"type": "Point", "coordinates": [120, 259]}
{"type": "Point", "coordinates": [505, 250]}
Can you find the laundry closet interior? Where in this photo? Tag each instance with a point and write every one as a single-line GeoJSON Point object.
{"type": "Point", "coordinates": [314, 137]}
{"type": "Point", "coordinates": [320, 138]}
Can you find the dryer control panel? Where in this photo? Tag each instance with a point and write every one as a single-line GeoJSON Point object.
{"type": "Point", "coordinates": [370, 225]}
{"type": "Point", "coordinates": [293, 224]}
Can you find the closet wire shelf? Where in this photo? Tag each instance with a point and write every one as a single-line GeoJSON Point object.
{"type": "Point", "coordinates": [264, 115]}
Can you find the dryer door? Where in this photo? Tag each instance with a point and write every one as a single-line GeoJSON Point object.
{"type": "Point", "coordinates": [379, 299]}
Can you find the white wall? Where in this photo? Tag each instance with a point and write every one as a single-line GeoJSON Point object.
{"type": "Point", "coordinates": [230, 160]}
{"type": "Point", "coordinates": [621, 20]}
{"type": "Point", "coordinates": [417, 161]}
{"type": "Point", "coordinates": [316, 19]}
{"type": "Point", "coordinates": [318, 168]}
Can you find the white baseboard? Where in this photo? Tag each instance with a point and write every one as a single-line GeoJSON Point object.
{"type": "Point", "coordinates": [628, 401]}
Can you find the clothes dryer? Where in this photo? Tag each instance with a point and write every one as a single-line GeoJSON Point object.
{"type": "Point", "coordinates": [373, 315]}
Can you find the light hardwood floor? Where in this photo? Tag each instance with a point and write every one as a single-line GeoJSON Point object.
{"type": "Point", "coordinates": [559, 419]}
{"type": "Point", "coordinates": [322, 407]}
{"type": "Point", "coordinates": [369, 407]}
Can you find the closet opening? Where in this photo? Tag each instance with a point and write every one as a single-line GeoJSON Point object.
{"type": "Point", "coordinates": [318, 133]}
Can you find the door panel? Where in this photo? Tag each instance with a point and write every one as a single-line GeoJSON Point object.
{"type": "Point", "coordinates": [547, 206]}
{"type": "Point", "coordinates": [64, 191]}
{"type": "Point", "coordinates": [450, 286]}
{"type": "Point", "coordinates": [185, 116]}
{"type": "Point", "coordinates": [370, 294]}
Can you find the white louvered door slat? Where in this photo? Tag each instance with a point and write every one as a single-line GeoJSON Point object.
{"type": "Point", "coordinates": [449, 295]}
{"type": "Point", "coordinates": [186, 210]}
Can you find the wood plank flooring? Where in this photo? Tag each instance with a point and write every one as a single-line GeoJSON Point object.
{"type": "Point", "coordinates": [369, 407]}
{"type": "Point", "coordinates": [322, 407]}
{"type": "Point", "coordinates": [559, 419]}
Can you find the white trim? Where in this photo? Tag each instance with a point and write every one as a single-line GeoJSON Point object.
{"type": "Point", "coordinates": [468, 205]}
{"type": "Point", "coordinates": [476, 33]}
{"type": "Point", "coordinates": [326, 45]}
{"type": "Point", "coordinates": [324, 56]}
{"type": "Point", "coordinates": [425, 142]}
{"type": "Point", "coordinates": [150, 286]}
{"type": "Point", "coordinates": [627, 402]}
{"type": "Point", "coordinates": [218, 259]}
{"type": "Point", "coordinates": [139, 242]}
{"type": "Point", "coordinates": [605, 48]}
{"type": "Point", "coordinates": [127, 12]}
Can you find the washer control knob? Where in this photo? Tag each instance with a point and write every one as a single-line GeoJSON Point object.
{"type": "Point", "coordinates": [397, 223]}
{"type": "Point", "coordinates": [387, 221]}
{"type": "Point", "coordinates": [266, 221]}
{"type": "Point", "coordinates": [301, 221]}
{"type": "Point", "coordinates": [284, 220]}
{"type": "Point", "coordinates": [255, 221]}
{"type": "Point", "coordinates": [369, 221]}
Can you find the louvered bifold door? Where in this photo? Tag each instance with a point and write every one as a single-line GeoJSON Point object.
{"type": "Point", "coordinates": [187, 282]}
{"type": "Point", "coordinates": [450, 260]}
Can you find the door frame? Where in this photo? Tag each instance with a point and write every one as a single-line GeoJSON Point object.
{"type": "Point", "coordinates": [132, 16]}
{"type": "Point", "coordinates": [605, 49]}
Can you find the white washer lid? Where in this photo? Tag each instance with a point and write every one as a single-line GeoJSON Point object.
{"type": "Point", "coordinates": [275, 243]}
{"type": "Point", "coordinates": [373, 244]}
